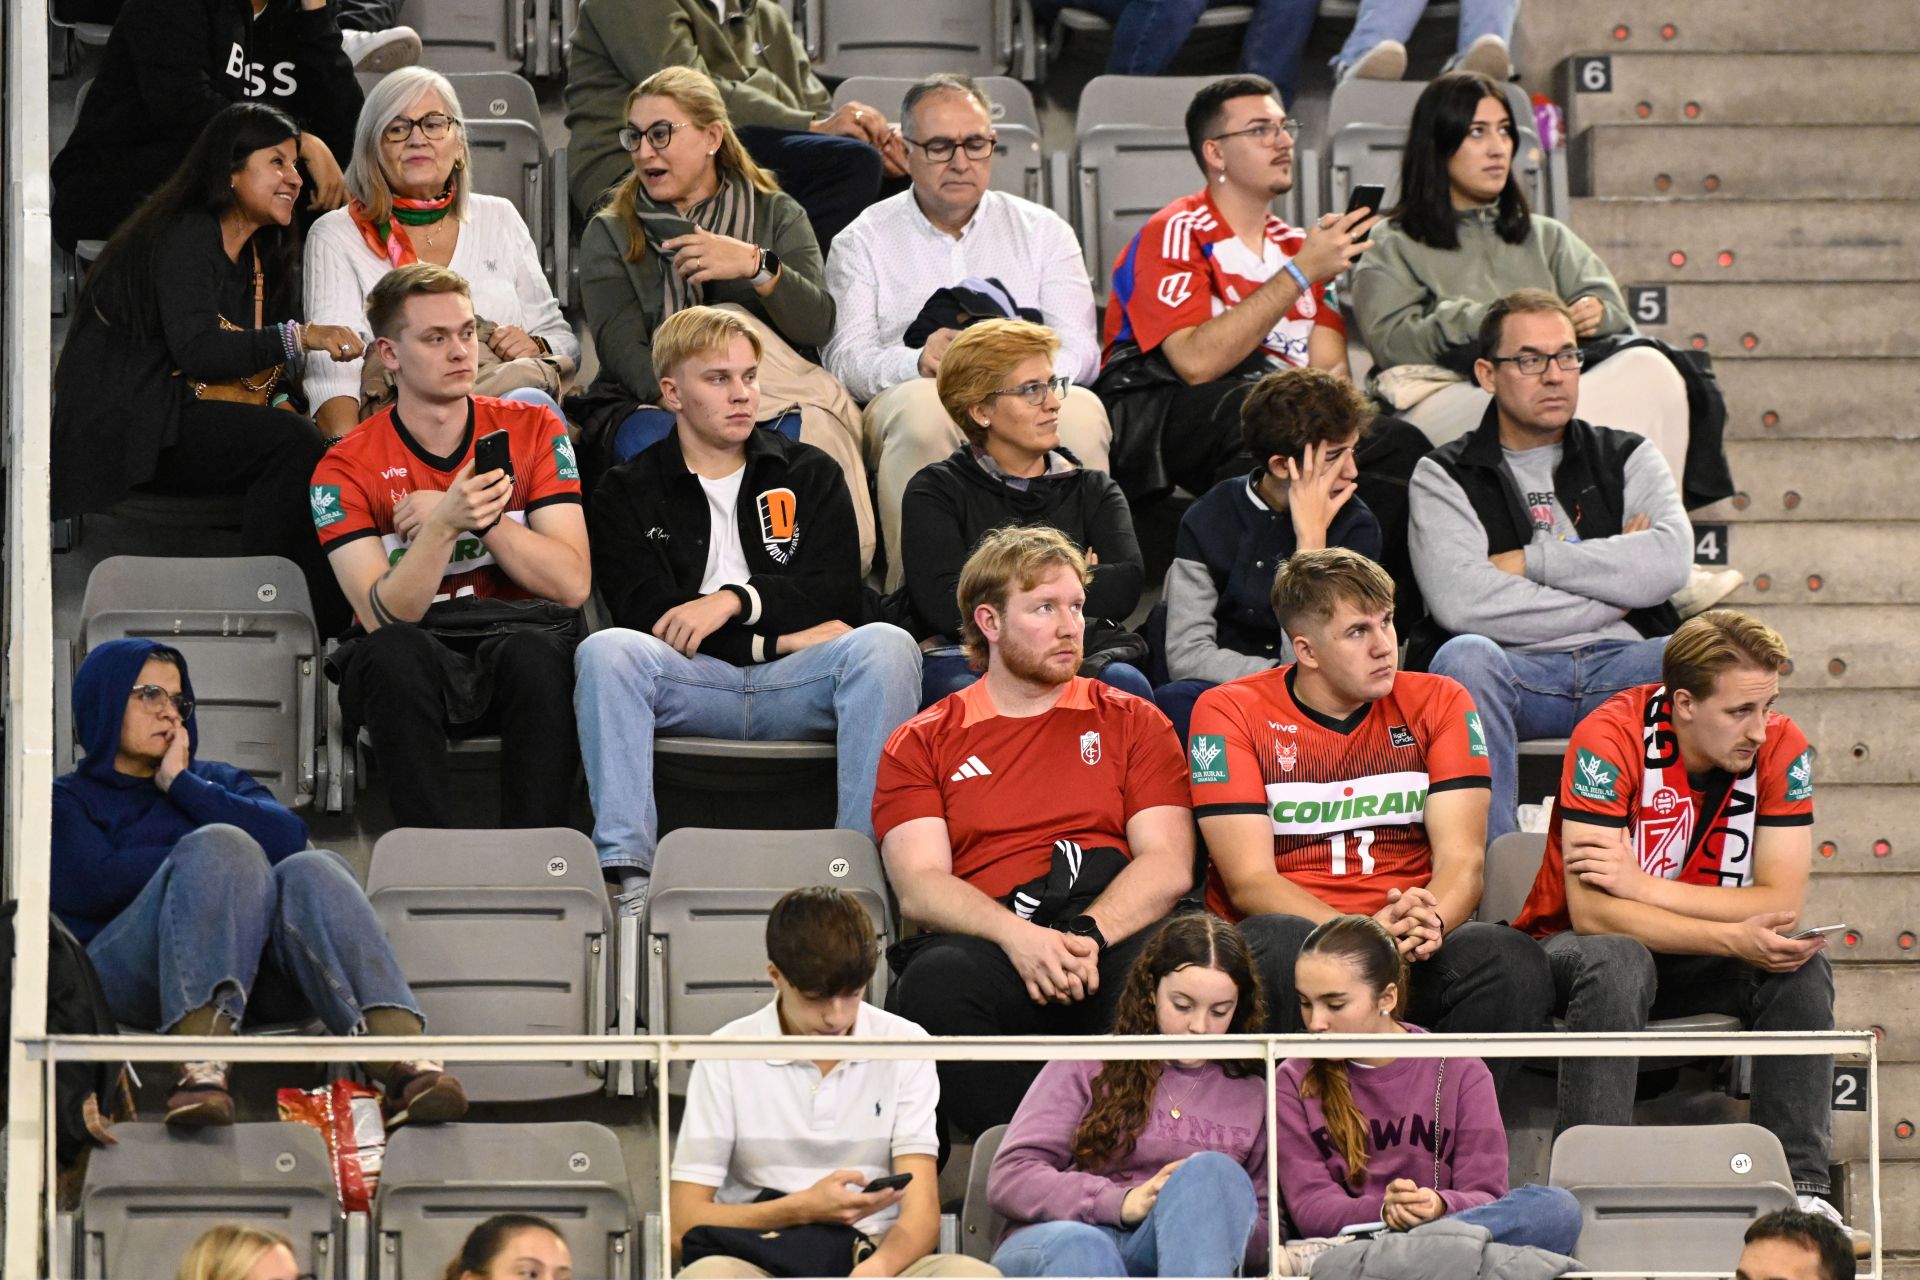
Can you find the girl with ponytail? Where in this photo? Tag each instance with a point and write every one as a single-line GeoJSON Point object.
{"type": "Point", "coordinates": [1146, 1168]}
{"type": "Point", "coordinates": [512, 1246]}
{"type": "Point", "coordinates": [1396, 1141]}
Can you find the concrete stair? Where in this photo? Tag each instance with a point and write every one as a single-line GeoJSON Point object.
{"type": "Point", "coordinates": [1659, 241]}
{"type": "Point", "coordinates": [1750, 161]}
{"type": "Point", "coordinates": [1780, 398]}
{"type": "Point", "coordinates": [1779, 89]}
{"type": "Point", "coordinates": [1549, 32]}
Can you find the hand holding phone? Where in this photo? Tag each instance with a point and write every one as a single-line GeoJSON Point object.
{"type": "Point", "coordinates": [892, 1182]}
{"type": "Point", "coordinates": [1369, 196]}
{"type": "Point", "coordinates": [1816, 931]}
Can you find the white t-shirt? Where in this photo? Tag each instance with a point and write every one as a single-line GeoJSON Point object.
{"type": "Point", "coordinates": [726, 562]}
{"type": "Point", "coordinates": [779, 1125]}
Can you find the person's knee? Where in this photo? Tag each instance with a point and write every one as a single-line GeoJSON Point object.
{"type": "Point", "coordinates": [1474, 661]}
{"type": "Point", "coordinates": [1275, 934]}
{"type": "Point", "coordinates": [1806, 994]}
{"type": "Point", "coordinates": [939, 976]}
{"type": "Point", "coordinates": [1085, 428]}
{"type": "Point", "coordinates": [316, 874]}
{"type": "Point", "coordinates": [910, 414]}
{"type": "Point", "coordinates": [398, 650]}
{"type": "Point", "coordinates": [1523, 968]}
{"type": "Point", "coordinates": [539, 661]}
{"type": "Point", "coordinates": [1217, 1178]}
{"type": "Point", "coordinates": [1068, 1249]}
{"type": "Point", "coordinates": [885, 652]}
{"type": "Point", "coordinates": [618, 652]}
{"type": "Point", "coordinates": [1610, 969]}
{"type": "Point", "coordinates": [222, 851]}
{"type": "Point", "coordinates": [1559, 1215]}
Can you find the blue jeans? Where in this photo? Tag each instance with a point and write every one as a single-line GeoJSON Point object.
{"type": "Point", "coordinates": [650, 424]}
{"type": "Point", "coordinates": [1535, 1216]}
{"type": "Point", "coordinates": [1522, 696]}
{"type": "Point", "coordinates": [1175, 700]}
{"type": "Point", "coordinates": [1395, 20]}
{"type": "Point", "coordinates": [834, 178]}
{"type": "Point", "coordinates": [533, 395]}
{"type": "Point", "coordinates": [944, 671]}
{"type": "Point", "coordinates": [854, 691]}
{"type": "Point", "coordinates": [218, 925]}
{"type": "Point", "coordinates": [1198, 1227]}
{"type": "Point", "coordinates": [1148, 33]}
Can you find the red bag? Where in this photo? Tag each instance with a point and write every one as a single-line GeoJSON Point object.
{"type": "Point", "coordinates": [348, 1117]}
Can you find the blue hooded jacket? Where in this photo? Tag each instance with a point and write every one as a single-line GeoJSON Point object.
{"type": "Point", "coordinates": [111, 831]}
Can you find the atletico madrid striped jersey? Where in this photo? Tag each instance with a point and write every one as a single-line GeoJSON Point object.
{"type": "Point", "coordinates": [1346, 798]}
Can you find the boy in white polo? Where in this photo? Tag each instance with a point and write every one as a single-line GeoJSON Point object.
{"type": "Point", "coordinates": [815, 1132]}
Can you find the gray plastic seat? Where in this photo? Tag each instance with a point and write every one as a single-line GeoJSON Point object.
{"type": "Point", "coordinates": [1366, 135]}
{"type": "Point", "coordinates": [439, 1182]}
{"type": "Point", "coordinates": [889, 38]}
{"type": "Point", "coordinates": [501, 933]}
{"type": "Point", "coordinates": [1019, 165]}
{"type": "Point", "coordinates": [980, 1226]}
{"type": "Point", "coordinates": [1669, 1197]}
{"type": "Point", "coordinates": [245, 625]}
{"type": "Point", "coordinates": [151, 1195]}
{"type": "Point", "coordinates": [706, 959]}
{"type": "Point", "coordinates": [477, 35]}
{"type": "Point", "coordinates": [507, 144]}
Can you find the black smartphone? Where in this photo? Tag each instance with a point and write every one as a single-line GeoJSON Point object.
{"type": "Point", "coordinates": [892, 1182]}
{"type": "Point", "coordinates": [1368, 195]}
{"type": "Point", "coordinates": [492, 452]}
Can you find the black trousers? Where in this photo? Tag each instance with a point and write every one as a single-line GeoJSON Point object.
{"type": "Point", "coordinates": [268, 456]}
{"type": "Point", "coordinates": [393, 681]}
{"type": "Point", "coordinates": [832, 177]}
{"type": "Point", "coordinates": [367, 15]}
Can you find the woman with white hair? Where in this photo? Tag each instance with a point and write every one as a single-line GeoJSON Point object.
{"type": "Point", "coordinates": [410, 180]}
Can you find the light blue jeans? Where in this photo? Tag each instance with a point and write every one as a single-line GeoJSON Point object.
{"type": "Point", "coordinates": [217, 925]}
{"type": "Point", "coordinates": [1536, 1216]}
{"type": "Point", "coordinates": [854, 691]}
{"type": "Point", "coordinates": [1395, 20]}
{"type": "Point", "coordinates": [1521, 696]}
{"type": "Point", "coordinates": [1198, 1227]}
{"type": "Point", "coordinates": [533, 395]}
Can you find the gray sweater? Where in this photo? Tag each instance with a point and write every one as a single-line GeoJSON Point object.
{"type": "Point", "coordinates": [1574, 593]}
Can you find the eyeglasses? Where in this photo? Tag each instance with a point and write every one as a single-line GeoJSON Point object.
{"type": "Point", "coordinates": [433, 126]}
{"type": "Point", "coordinates": [659, 135]}
{"type": "Point", "coordinates": [1534, 363]}
{"type": "Point", "coordinates": [1035, 393]}
{"type": "Point", "coordinates": [152, 697]}
{"type": "Point", "coordinates": [1265, 132]}
{"type": "Point", "coordinates": [940, 150]}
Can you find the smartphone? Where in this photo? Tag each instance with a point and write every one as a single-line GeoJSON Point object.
{"type": "Point", "coordinates": [1363, 1229]}
{"type": "Point", "coordinates": [1369, 196]}
{"type": "Point", "coordinates": [892, 1182]}
{"type": "Point", "coordinates": [492, 452]}
{"type": "Point", "coordinates": [1817, 931]}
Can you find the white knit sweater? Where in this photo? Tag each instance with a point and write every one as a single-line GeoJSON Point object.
{"type": "Point", "coordinates": [495, 254]}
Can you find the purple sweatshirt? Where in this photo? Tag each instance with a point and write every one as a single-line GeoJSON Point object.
{"type": "Point", "coordinates": [1033, 1178]}
{"type": "Point", "coordinates": [1397, 1101]}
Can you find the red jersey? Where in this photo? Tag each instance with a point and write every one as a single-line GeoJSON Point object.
{"type": "Point", "coordinates": [1009, 786]}
{"type": "Point", "coordinates": [1623, 769]}
{"type": "Point", "coordinates": [1347, 798]}
{"type": "Point", "coordinates": [1186, 266]}
{"type": "Point", "coordinates": [359, 481]}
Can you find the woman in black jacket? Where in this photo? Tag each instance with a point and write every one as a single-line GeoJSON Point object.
{"type": "Point", "coordinates": [997, 383]}
{"type": "Point", "coordinates": [173, 375]}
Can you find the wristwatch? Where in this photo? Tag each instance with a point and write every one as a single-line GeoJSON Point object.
{"type": "Point", "coordinates": [769, 268]}
{"type": "Point", "coordinates": [1086, 927]}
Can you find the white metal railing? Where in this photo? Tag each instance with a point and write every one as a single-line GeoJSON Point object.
{"type": "Point", "coordinates": [661, 1051]}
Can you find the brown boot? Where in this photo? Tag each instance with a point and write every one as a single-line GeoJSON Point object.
{"type": "Point", "coordinates": [421, 1093]}
{"type": "Point", "coordinates": [200, 1098]}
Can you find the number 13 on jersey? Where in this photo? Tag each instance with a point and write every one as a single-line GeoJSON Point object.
{"type": "Point", "coordinates": [1363, 849]}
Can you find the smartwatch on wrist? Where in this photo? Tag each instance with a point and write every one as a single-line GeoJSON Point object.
{"type": "Point", "coordinates": [769, 268]}
{"type": "Point", "coordinates": [1086, 927]}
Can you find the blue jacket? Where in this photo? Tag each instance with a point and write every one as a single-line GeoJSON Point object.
{"type": "Point", "coordinates": [111, 831]}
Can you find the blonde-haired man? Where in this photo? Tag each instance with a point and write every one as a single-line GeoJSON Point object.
{"type": "Point", "coordinates": [1034, 826]}
{"type": "Point", "coordinates": [1676, 874]}
{"type": "Point", "coordinates": [729, 559]}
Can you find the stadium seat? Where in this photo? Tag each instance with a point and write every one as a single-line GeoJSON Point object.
{"type": "Point", "coordinates": [891, 38]}
{"type": "Point", "coordinates": [507, 143]}
{"type": "Point", "coordinates": [1366, 134]}
{"type": "Point", "coordinates": [1673, 1197]}
{"type": "Point", "coordinates": [149, 1196]}
{"type": "Point", "coordinates": [246, 627]}
{"type": "Point", "coordinates": [980, 1226]}
{"type": "Point", "coordinates": [706, 959]}
{"type": "Point", "coordinates": [501, 933]}
{"type": "Point", "coordinates": [743, 785]}
{"type": "Point", "coordinates": [439, 1182]}
{"type": "Point", "coordinates": [492, 35]}
{"type": "Point", "coordinates": [1020, 166]}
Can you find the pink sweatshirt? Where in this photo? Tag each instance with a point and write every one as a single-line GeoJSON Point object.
{"type": "Point", "coordinates": [1397, 1101]}
{"type": "Point", "coordinates": [1033, 1178]}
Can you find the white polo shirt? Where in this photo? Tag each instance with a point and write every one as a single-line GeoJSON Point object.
{"type": "Point", "coordinates": [779, 1125]}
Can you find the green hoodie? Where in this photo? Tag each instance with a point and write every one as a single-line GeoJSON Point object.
{"type": "Point", "coordinates": [755, 59]}
{"type": "Point", "coordinates": [1415, 303]}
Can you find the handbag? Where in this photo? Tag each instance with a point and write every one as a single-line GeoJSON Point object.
{"type": "Point", "coordinates": [812, 1249]}
{"type": "Point", "coordinates": [257, 389]}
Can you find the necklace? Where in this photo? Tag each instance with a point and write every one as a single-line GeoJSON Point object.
{"type": "Point", "coordinates": [1174, 1110]}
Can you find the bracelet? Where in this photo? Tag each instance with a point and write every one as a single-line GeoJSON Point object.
{"type": "Point", "coordinates": [1299, 277]}
{"type": "Point", "coordinates": [290, 337]}
{"type": "Point", "coordinates": [279, 400]}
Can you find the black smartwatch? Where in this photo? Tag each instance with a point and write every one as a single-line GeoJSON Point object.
{"type": "Point", "coordinates": [1086, 927]}
{"type": "Point", "coordinates": [769, 268]}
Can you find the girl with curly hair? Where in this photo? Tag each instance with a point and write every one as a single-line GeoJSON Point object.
{"type": "Point", "coordinates": [1146, 1168]}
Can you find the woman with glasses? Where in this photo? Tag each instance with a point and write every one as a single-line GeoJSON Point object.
{"type": "Point", "coordinates": [997, 383]}
{"type": "Point", "coordinates": [1462, 237]}
{"type": "Point", "coordinates": [410, 178]}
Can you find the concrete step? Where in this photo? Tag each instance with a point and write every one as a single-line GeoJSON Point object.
{"type": "Point", "coordinates": [1820, 161]}
{"type": "Point", "coordinates": [1828, 480]}
{"type": "Point", "coordinates": [1848, 646]}
{"type": "Point", "coordinates": [1899, 1118]}
{"type": "Point", "coordinates": [1877, 997]}
{"type": "Point", "coordinates": [1706, 241]}
{"type": "Point", "coordinates": [1900, 1201]}
{"type": "Point", "coordinates": [1864, 830]}
{"type": "Point", "coordinates": [1782, 89]}
{"type": "Point", "coordinates": [1882, 912]}
{"type": "Point", "coordinates": [1825, 564]}
{"type": "Point", "coordinates": [1786, 398]}
{"type": "Point", "coordinates": [1734, 321]}
{"type": "Point", "coordinates": [1550, 32]}
{"type": "Point", "coordinates": [1859, 736]}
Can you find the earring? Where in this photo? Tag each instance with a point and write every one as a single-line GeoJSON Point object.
{"type": "Point", "coordinates": [1222, 177]}
{"type": "Point", "coordinates": [714, 151]}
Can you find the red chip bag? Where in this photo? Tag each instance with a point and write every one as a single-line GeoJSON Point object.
{"type": "Point", "coordinates": [348, 1118]}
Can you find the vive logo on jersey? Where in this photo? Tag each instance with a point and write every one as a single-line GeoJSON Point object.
{"type": "Point", "coordinates": [566, 465]}
{"type": "Point", "coordinates": [1800, 776]}
{"type": "Point", "coordinates": [1207, 758]}
{"type": "Point", "coordinates": [1476, 736]}
{"type": "Point", "coordinates": [325, 501]}
{"type": "Point", "coordinates": [1593, 778]}
{"type": "Point", "coordinates": [1321, 808]}
{"type": "Point", "coordinates": [1090, 746]}
{"type": "Point", "coordinates": [780, 523]}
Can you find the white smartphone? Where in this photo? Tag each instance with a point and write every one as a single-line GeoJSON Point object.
{"type": "Point", "coordinates": [1362, 1229]}
{"type": "Point", "coordinates": [1817, 931]}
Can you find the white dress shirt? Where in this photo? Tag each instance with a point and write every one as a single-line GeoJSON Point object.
{"type": "Point", "coordinates": [885, 266]}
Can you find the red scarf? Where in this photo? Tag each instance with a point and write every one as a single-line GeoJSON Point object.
{"type": "Point", "coordinates": [1713, 846]}
{"type": "Point", "coordinates": [388, 237]}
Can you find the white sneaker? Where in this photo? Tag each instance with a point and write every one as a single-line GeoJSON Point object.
{"type": "Point", "coordinates": [1385, 61]}
{"type": "Point", "coordinates": [1820, 1208]}
{"type": "Point", "coordinates": [1705, 589]}
{"type": "Point", "coordinates": [381, 51]}
{"type": "Point", "coordinates": [1489, 56]}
